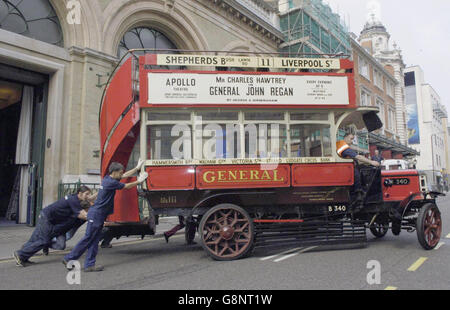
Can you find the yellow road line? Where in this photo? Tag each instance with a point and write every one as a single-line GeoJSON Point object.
{"type": "Point", "coordinates": [391, 288]}
{"type": "Point", "coordinates": [417, 264]}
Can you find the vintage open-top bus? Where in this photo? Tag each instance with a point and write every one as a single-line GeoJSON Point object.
{"type": "Point", "coordinates": [248, 157]}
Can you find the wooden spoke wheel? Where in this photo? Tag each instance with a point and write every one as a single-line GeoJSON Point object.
{"type": "Point", "coordinates": [227, 232]}
{"type": "Point", "coordinates": [429, 226]}
{"type": "Point", "coordinates": [379, 230]}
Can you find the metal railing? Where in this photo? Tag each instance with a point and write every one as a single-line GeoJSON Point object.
{"type": "Point", "coordinates": [71, 188]}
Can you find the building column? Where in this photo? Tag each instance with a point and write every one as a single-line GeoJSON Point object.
{"type": "Point", "coordinates": [89, 70]}
{"type": "Point", "coordinates": [400, 105]}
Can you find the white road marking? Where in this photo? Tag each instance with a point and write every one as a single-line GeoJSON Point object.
{"type": "Point", "coordinates": [282, 253]}
{"type": "Point", "coordinates": [448, 236]}
{"type": "Point", "coordinates": [439, 245]}
{"type": "Point", "coordinates": [285, 257]}
{"type": "Point", "coordinates": [293, 254]}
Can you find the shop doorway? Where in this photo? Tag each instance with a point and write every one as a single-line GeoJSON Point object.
{"type": "Point", "coordinates": [23, 101]}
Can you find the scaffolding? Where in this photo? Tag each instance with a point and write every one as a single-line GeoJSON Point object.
{"type": "Point", "coordinates": [311, 27]}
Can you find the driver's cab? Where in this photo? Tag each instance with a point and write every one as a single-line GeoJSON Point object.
{"type": "Point", "coordinates": [363, 118]}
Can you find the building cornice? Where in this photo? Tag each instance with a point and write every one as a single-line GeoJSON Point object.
{"type": "Point", "coordinates": [254, 21]}
{"type": "Point", "coordinates": [87, 52]}
{"type": "Point", "coordinates": [391, 58]}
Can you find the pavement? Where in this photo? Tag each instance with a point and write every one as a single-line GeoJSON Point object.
{"type": "Point", "coordinates": [12, 237]}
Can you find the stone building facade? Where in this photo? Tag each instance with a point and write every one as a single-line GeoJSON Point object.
{"type": "Point", "coordinates": [374, 38]}
{"type": "Point", "coordinates": [77, 68]}
{"type": "Point", "coordinates": [375, 87]}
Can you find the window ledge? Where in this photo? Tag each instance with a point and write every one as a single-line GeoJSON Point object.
{"type": "Point", "coordinates": [365, 77]}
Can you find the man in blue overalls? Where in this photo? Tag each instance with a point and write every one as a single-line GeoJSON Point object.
{"type": "Point", "coordinates": [103, 206]}
{"type": "Point", "coordinates": [59, 243]}
{"type": "Point", "coordinates": [52, 222]}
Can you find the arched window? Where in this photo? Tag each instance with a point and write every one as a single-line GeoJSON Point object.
{"type": "Point", "coordinates": [140, 38]}
{"type": "Point", "coordinates": [32, 18]}
{"type": "Point", "coordinates": [144, 37]}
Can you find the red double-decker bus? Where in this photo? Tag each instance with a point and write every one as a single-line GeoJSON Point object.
{"type": "Point", "coordinates": [248, 157]}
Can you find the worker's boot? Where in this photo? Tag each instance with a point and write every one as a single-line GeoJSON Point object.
{"type": "Point", "coordinates": [94, 269]}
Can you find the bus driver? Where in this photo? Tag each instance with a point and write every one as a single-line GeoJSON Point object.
{"type": "Point", "coordinates": [344, 151]}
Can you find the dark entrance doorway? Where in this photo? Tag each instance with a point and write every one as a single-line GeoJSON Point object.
{"type": "Point", "coordinates": [23, 102]}
{"type": "Point", "coordinates": [10, 107]}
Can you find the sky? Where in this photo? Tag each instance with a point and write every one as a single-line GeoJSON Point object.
{"type": "Point", "coordinates": [420, 28]}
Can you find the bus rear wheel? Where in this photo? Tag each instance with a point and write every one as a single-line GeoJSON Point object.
{"type": "Point", "coordinates": [227, 232]}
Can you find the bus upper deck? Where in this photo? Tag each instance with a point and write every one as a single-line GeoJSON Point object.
{"type": "Point", "coordinates": [225, 117]}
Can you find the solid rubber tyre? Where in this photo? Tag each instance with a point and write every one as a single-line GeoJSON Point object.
{"type": "Point", "coordinates": [379, 230]}
{"type": "Point", "coordinates": [429, 226]}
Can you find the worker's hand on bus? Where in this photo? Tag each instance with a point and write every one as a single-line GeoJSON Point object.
{"type": "Point", "coordinates": [142, 177]}
{"type": "Point", "coordinates": [375, 163]}
{"type": "Point", "coordinates": [139, 165]}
